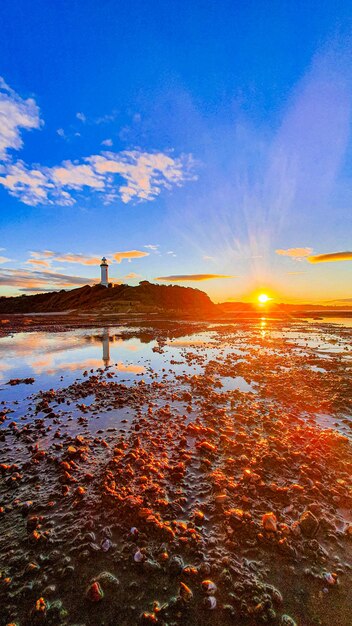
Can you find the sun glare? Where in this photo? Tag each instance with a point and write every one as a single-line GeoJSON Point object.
{"type": "Point", "coordinates": [263, 298]}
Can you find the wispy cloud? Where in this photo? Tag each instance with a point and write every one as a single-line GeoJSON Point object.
{"type": "Point", "coordinates": [153, 247]}
{"type": "Point", "coordinates": [77, 258]}
{"type": "Point", "coordinates": [295, 253]}
{"type": "Point", "coordinates": [192, 277]}
{"type": "Point", "coordinates": [331, 256]}
{"type": "Point", "coordinates": [33, 280]}
{"type": "Point", "coordinates": [15, 114]}
{"type": "Point", "coordinates": [38, 262]}
{"type": "Point", "coordinates": [45, 258]}
{"type": "Point", "coordinates": [81, 117]}
{"type": "Point", "coordinates": [129, 254]}
{"type": "Point", "coordinates": [144, 175]}
{"type": "Point", "coordinates": [107, 142]}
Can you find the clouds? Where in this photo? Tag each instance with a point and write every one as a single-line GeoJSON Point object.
{"type": "Point", "coordinates": [126, 176]}
{"type": "Point", "coordinates": [145, 174]}
{"type": "Point", "coordinates": [46, 257]}
{"type": "Point", "coordinates": [15, 114]}
{"type": "Point", "coordinates": [76, 258]}
{"type": "Point", "coordinates": [33, 280]}
{"type": "Point", "coordinates": [306, 254]}
{"type": "Point", "coordinates": [129, 254]}
{"type": "Point", "coordinates": [295, 253]}
{"type": "Point", "coordinates": [129, 175]}
{"type": "Point", "coordinates": [192, 277]}
{"type": "Point", "coordinates": [332, 256]}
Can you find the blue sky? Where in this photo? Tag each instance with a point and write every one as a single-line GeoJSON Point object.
{"type": "Point", "coordinates": [198, 142]}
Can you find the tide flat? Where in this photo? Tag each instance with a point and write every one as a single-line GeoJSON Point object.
{"type": "Point", "coordinates": [177, 473]}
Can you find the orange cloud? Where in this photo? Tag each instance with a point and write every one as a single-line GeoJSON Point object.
{"type": "Point", "coordinates": [295, 253]}
{"type": "Point", "coordinates": [192, 277]}
{"type": "Point", "coordinates": [129, 254]}
{"type": "Point", "coordinates": [332, 256]}
{"type": "Point", "coordinates": [78, 258]}
{"type": "Point", "coordinates": [46, 257]}
{"type": "Point", "coordinates": [37, 262]}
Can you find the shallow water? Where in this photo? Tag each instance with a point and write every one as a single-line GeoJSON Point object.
{"type": "Point", "coordinates": [248, 392]}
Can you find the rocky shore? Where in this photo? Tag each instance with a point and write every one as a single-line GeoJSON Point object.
{"type": "Point", "coordinates": [181, 499]}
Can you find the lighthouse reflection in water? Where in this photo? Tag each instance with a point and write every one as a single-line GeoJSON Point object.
{"type": "Point", "coordinates": [106, 347]}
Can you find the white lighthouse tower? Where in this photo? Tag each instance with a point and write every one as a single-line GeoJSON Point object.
{"type": "Point", "coordinates": [104, 272]}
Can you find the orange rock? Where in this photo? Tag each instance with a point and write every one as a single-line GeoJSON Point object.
{"type": "Point", "coordinates": [40, 605]}
{"type": "Point", "coordinates": [269, 522]}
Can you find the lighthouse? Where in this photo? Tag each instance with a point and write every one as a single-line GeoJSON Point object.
{"type": "Point", "coordinates": [104, 272]}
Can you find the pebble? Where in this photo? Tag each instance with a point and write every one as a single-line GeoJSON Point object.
{"type": "Point", "coordinates": [308, 524]}
{"type": "Point", "coordinates": [269, 522]}
{"type": "Point", "coordinates": [286, 620]}
{"type": "Point", "coordinates": [209, 587]}
{"type": "Point", "coordinates": [95, 592]}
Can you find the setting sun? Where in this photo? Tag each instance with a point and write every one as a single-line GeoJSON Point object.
{"type": "Point", "coordinates": [263, 298]}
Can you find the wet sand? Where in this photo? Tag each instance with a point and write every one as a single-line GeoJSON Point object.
{"type": "Point", "coordinates": [209, 485]}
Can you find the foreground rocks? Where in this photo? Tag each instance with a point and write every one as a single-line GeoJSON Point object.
{"type": "Point", "coordinates": [208, 506]}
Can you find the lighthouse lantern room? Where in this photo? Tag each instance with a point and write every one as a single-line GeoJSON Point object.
{"type": "Point", "coordinates": [104, 272]}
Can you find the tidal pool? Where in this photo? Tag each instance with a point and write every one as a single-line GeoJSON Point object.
{"type": "Point", "coordinates": [143, 462]}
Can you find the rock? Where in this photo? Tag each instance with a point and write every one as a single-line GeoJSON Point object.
{"type": "Point", "coordinates": [107, 580]}
{"type": "Point", "coordinates": [149, 618]}
{"type": "Point", "coordinates": [286, 620]}
{"type": "Point", "coordinates": [209, 587]}
{"type": "Point", "coordinates": [185, 592]}
{"type": "Point", "coordinates": [210, 603]}
{"type": "Point", "coordinates": [106, 544]}
{"type": "Point", "coordinates": [95, 592]}
{"type": "Point", "coordinates": [176, 565]}
{"type": "Point", "coordinates": [330, 578]}
{"type": "Point", "coordinates": [269, 522]}
{"type": "Point", "coordinates": [138, 556]}
{"type": "Point", "coordinates": [308, 524]}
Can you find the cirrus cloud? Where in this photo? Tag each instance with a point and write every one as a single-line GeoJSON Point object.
{"type": "Point", "coordinates": [35, 280]}
{"type": "Point", "coordinates": [193, 277]}
{"type": "Point", "coordinates": [46, 257]}
{"type": "Point", "coordinates": [331, 256]}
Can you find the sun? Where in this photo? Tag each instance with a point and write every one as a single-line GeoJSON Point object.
{"type": "Point", "coordinates": [263, 298]}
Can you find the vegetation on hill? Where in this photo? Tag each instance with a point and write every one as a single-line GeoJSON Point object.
{"type": "Point", "coordinates": [145, 297]}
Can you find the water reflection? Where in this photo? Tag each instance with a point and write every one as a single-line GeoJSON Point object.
{"type": "Point", "coordinates": [262, 327]}
{"type": "Point", "coordinates": [106, 347]}
{"type": "Point", "coordinates": [45, 355]}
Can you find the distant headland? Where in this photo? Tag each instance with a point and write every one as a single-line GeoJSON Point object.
{"type": "Point", "coordinates": [149, 298]}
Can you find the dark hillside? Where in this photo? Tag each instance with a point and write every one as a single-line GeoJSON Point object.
{"type": "Point", "coordinates": [145, 297]}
